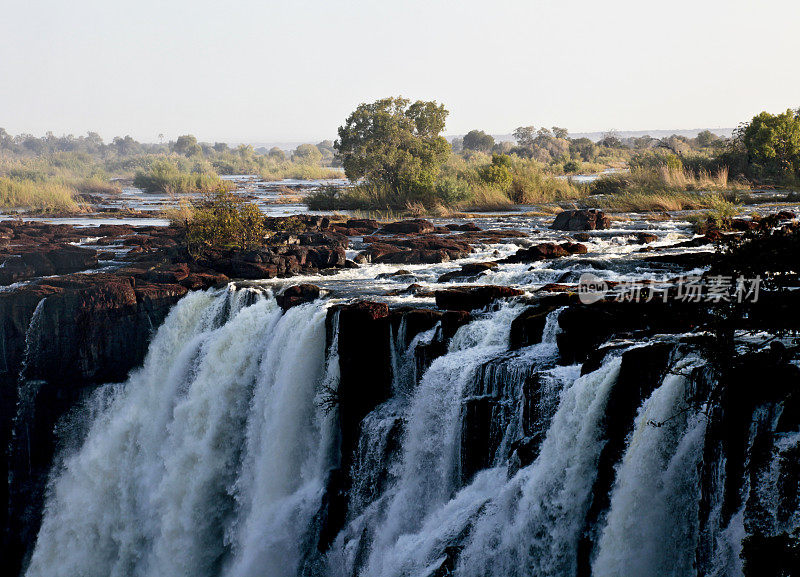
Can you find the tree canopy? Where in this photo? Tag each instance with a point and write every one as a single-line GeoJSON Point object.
{"type": "Point", "coordinates": [772, 142]}
{"type": "Point", "coordinates": [478, 140]}
{"type": "Point", "coordinates": [394, 143]}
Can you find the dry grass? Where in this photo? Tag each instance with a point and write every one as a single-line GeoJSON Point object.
{"type": "Point", "coordinates": [486, 198]}
{"type": "Point", "coordinates": [299, 171]}
{"type": "Point", "coordinates": [37, 196]}
{"type": "Point", "coordinates": [660, 202]}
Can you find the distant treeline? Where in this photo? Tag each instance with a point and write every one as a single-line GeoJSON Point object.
{"type": "Point", "coordinates": [86, 164]}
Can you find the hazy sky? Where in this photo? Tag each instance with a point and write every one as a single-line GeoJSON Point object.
{"type": "Point", "coordinates": [264, 70]}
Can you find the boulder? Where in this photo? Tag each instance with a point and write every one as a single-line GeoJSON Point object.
{"type": "Point", "coordinates": [471, 298]}
{"type": "Point", "coordinates": [31, 261]}
{"type": "Point", "coordinates": [644, 238]}
{"type": "Point", "coordinates": [469, 271]}
{"type": "Point", "coordinates": [465, 227]}
{"type": "Point", "coordinates": [413, 226]}
{"type": "Point", "coordinates": [545, 251]}
{"type": "Point", "coordinates": [581, 219]}
{"type": "Point", "coordinates": [297, 295]}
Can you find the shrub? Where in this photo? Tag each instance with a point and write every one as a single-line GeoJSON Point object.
{"type": "Point", "coordinates": [498, 173]}
{"type": "Point", "coordinates": [223, 219]}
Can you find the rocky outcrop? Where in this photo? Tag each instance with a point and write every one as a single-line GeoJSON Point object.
{"type": "Point", "coordinates": [471, 298]}
{"type": "Point", "coordinates": [413, 226]}
{"type": "Point", "coordinates": [469, 271]}
{"type": "Point", "coordinates": [528, 327]}
{"type": "Point", "coordinates": [581, 219]}
{"type": "Point", "coordinates": [644, 238]}
{"type": "Point", "coordinates": [297, 295]}
{"type": "Point", "coordinates": [422, 249]}
{"type": "Point", "coordinates": [545, 251]}
{"type": "Point", "coordinates": [34, 261]}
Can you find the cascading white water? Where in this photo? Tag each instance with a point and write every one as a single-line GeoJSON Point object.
{"type": "Point", "coordinates": [652, 524]}
{"type": "Point", "coordinates": [533, 525]}
{"type": "Point", "coordinates": [212, 459]}
{"type": "Point", "coordinates": [215, 436]}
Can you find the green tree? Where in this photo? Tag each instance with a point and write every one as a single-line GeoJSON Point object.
{"type": "Point", "coordinates": [525, 135]}
{"type": "Point", "coordinates": [559, 132]}
{"type": "Point", "coordinates": [307, 154]}
{"type": "Point", "coordinates": [276, 153]}
{"type": "Point", "coordinates": [220, 147]}
{"type": "Point", "coordinates": [498, 173]}
{"type": "Point", "coordinates": [772, 143]}
{"type": "Point", "coordinates": [327, 150]}
{"type": "Point", "coordinates": [706, 138]}
{"type": "Point", "coordinates": [186, 145]}
{"type": "Point", "coordinates": [394, 143]}
{"type": "Point", "coordinates": [478, 140]}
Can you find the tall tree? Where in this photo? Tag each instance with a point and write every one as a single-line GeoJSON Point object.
{"type": "Point", "coordinates": [772, 142]}
{"type": "Point", "coordinates": [525, 135]}
{"type": "Point", "coordinates": [394, 143]}
{"type": "Point", "coordinates": [478, 140]}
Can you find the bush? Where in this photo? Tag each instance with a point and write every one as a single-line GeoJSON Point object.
{"type": "Point", "coordinates": [164, 176]}
{"type": "Point", "coordinates": [498, 173]}
{"type": "Point", "coordinates": [223, 220]}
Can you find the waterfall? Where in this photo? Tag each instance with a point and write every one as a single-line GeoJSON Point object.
{"type": "Point", "coordinates": [19, 446]}
{"type": "Point", "coordinates": [215, 458]}
{"type": "Point", "coordinates": [653, 521]}
{"type": "Point", "coordinates": [214, 437]}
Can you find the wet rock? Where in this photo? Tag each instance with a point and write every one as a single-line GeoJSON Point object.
{"type": "Point", "coordinates": [465, 227]}
{"type": "Point", "coordinates": [297, 295]}
{"type": "Point", "coordinates": [413, 226]}
{"type": "Point", "coordinates": [528, 327]}
{"type": "Point", "coordinates": [586, 327]}
{"type": "Point", "coordinates": [401, 274]}
{"type": "Point", "coordinates": [644, 238]}
{"type": "Point", "coordinates": [581, 237]}
{"type": "Point", "coordinates": [23, 263]}
{"type": "Point", "coordinates": [581, 219]}
{"type": "Point", "coordinates": [471, 298]}
{"type": "Point", "coordinates": [686, 260]}
{"type": "Point", "coordinates": [357, 227]}
{"type": "Point", "coordinates": [414, 288]}
{"type": "Point", "coordinates": [469, 271]}
{"type": "Point", "coordinates": [365, 381]}
{"type": "Point", "coordinates": [545, 251]}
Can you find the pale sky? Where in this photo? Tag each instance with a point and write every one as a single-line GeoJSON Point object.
{"type": "Point", "coordinates": [266, 70]}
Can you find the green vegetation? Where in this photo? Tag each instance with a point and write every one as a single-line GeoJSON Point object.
{"type": "Point", "coordinates": [772, 145]}
{"type": "Point", "coordinates": [396, 159]}
{"type": "Point", "coordinates": [87, 165]}
{"type": "Point", "coordinates": [395, 144]}
{"type": "Point", "coordinates": [164, 176]}
{"type": "Point", "coordinates": [299, 171]}
{"type": "Point", "coordinates": [38, 196]}
{"type": "Point", "coordinates": [478, 140]}
{"type": "Point", "coordinates": [393, 152]}
{"type": "Point", "coordinates": [221, 220]}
